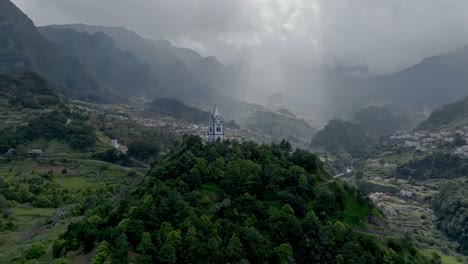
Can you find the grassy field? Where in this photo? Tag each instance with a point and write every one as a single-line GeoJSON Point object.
{"type": "Point", "coordinates": [82, 177]}
{"type": "Point", "coordinates": [355, 212]}
{"type": "Point", "coordinates": [445, 258]}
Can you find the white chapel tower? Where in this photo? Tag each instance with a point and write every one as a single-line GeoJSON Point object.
{"type": "Point", "coordinates": [215, 127]}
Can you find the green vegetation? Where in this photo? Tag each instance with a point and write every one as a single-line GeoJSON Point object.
{"type": "Point", "coordinates": [65, 125]}
{"type": "Point", "coordinates": [344, 139]}
{"type": "Point", "coordinates": [450, 206]}
{"type": "Point", "coordinates": [439, 257]}
{"type": "Point", "coordinates": [454, 114]}
{"type": "Point", "coordinates": [27, 90]}
{"type": "Point", "coordinates": [37, 201]}
{"type": "Point", "coordinates": [175, 108]}
{"type": "Point", "coordinates": [438, 165]}
{"type": "Point", "coordinates": [114, 156]}
{"type": "Point", "coordinates": [144, 150]}
{"type": "Point", "coordinates": [134, 135]}
{"type": "Point", "coordinates": [381, 121]}
{"type": "Point", "coordinates": [233, 202]}
{"type": "Point", "coordinates": [280, 126]}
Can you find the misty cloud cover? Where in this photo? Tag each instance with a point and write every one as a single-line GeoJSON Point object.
{"type": "Point", "coordinates": [383, 35]}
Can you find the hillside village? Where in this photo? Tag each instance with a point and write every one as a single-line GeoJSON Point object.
{"type": "Point", "coordinates": [427, 141]}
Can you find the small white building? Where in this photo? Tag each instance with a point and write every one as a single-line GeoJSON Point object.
{"type": "Point", "coordinates": [410, 144]}
{"type": "Point", "coordinates": [115, 143]}
{"type": "Point", "coordinates": [462, 151]}
{"type": "Point", "coordinates": [11, 152]}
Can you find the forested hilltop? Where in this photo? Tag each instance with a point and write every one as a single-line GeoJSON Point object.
{"type": "Point", "coordinates": [233, 203]}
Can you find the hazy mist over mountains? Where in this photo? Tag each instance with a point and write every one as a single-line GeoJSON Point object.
{"type": "Point", "coordinates": [304, 50]}
{"type": "Point", "coordinates": [299, 55]}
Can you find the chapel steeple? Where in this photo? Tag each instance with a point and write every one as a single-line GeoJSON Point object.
{"type": "Point", "coordinates": [215, 127]}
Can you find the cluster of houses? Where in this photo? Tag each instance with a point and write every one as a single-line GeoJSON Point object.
{"type": "Point", "coordinates": [390, 204]}
{"type": "Point", "coordinates": [462, 151]}
{"type": "Point", "coordinates": [31, 152]}
{"type": "Point", "coordinates": [177, 126]}
{"type": "Point", "coordinates": [429, 141]}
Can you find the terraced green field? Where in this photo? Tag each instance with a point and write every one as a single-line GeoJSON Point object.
{"type": "Point", "coordinates": [33, 224]}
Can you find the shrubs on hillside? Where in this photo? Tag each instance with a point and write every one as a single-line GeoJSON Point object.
{"type": "Point", "coordinates": [434, 166]}
{"type": "Point", "coordinates": [66, 126]}
{"type": "Point", "coordinates": [450, 206]}
{"type": "Point", "coordinates": [114, 156]}
{"type": "Point", "coordinates": [27, 90]}
{"type": "Point", "coordinates": [143, 150]}
{"type": "Point", "coordinates": [343, 138]}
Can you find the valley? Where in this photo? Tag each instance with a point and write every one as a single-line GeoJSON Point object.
{"type": "Point", "coordinates": [404, 174]}
{"type": "Point", "coordinates": [118, 148]}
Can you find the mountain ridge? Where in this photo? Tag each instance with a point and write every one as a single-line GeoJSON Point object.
{"type": "Point", "coordinates": [114, 70]}
{"type": "Point", "coordinates": [187, 69]}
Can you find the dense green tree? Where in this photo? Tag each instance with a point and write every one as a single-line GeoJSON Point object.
{"type": "Point", "coordinates": [35, 251]}
{"type": "Point", "coordinates": [167, 253]}
{"type": "Point", "coordinates": [143, 150]}
{"type": "Point", "coordinates": [101, 253]}
{"type": "Point", "coordinates": [285, 254]}
{"type": "Point", "coordinates": [451, 208]}
{"type": "Point", "coordinates": [435, 166]}
{"type": "Point", "coordinates": [120, 249]}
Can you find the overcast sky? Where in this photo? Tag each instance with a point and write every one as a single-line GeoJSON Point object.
{"type": "Point", "coordinates": [385, 35]}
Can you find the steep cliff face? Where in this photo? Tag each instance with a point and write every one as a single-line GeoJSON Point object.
{"type": "Point", "coordinates": [114, 70]}
{"type": "Point", "coordinates": [23, 48]}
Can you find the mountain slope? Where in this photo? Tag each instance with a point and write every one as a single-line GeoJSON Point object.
{"type": "Point", "coordinates": [435, 80]}
{"type": "Point", "coordinates": [382, 121]}
{"type": "Point", "coordinates": [26, 91]}
{"type": "Point", "coordinates": [114, 69]}
{"type": "Point", "coordinates": [454, 114]}
{"type": "Point", "coordinates": [183, 72]}
{"type": "Point", "coordinates": [280, 126]}
{"type": "Point", "coordinates": [177, 109]}
{"type": "Point", "coordinates": [343, 138]}
{"type": "Point", "coordinates": [23, 48]}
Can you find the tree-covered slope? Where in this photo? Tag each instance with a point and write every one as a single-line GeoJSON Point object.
{"type": "Point", "coordinates": [175, 108]}
{"type": "Point", "coordinates": [454, 114]}
{"type": "Point", "coordinates": [62, 125]}
{"type": "Point", "coordinates": [233, 203]}
{"type": "Point", "coordinates": [280, 126]}
{"type": "Point", "coordinates": [435, 166]}
{"type": "Point", "coordinates": [451, 208]}
{"type": "Point", "coordinates": [26, 90]}
{"type": "Point", "coordinates": [343, 138]}
{"type": "Point", "coordinates": [41, 114]}
{"type": "Point", "coordinates": [382, 121]}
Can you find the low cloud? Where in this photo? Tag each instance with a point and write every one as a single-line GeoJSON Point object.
{"type": "Point", "coordinates": [384, 36]}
